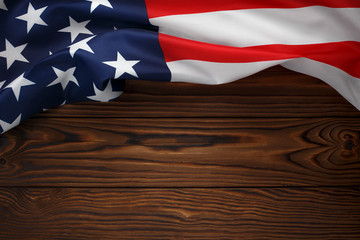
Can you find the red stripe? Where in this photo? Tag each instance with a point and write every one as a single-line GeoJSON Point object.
{"type": "Point", "coordinates": [343, 55]}
{"type": "Point", "coordinates": [159, 8]}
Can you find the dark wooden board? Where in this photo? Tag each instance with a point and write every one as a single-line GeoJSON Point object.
{"type": "Point", "coordinates": [277, 93]}
{"type": "Point", "coordinates": [190, 152]}
{"type": "Point", "coordinates": [286, 213]}
{"type": "Point", "coordinates": [142, 105]}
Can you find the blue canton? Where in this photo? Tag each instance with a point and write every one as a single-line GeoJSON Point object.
{"type": "Point", "coordinates": [57, 52]}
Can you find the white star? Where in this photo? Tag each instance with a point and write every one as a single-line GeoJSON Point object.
{"type": "Point", "coordinates": [2, 84]}
{"type": "Point", "coordinates": [83, 44]}
{"type": "Point", "coordinates": [123, 66]}
{"type": "Point", "coordinates": [76, 28]}
{"type": "Point", "coordinates": [32, 17]}
{"type": "Point", "coordinates": [64, 78]}
{"type": "Point", "coordinates": [13, 54]}
{"type": "Point", "coordinates": [7, 126]}
{"type": "Point", "coordinates": [106, 95]}
{"type": "Point", "coordinates": [96, 3]}
{"type": "Point", "coordinates": [2, 5]}
{"type": "Point", "coordinates": [17, 84]}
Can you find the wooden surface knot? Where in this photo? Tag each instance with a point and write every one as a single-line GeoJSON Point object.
{"type": "Point", "coordinates": [3, 161]}
{"type": "Point", "coordinates": [350, 146]}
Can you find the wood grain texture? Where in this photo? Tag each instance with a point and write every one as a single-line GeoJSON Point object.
{"type": "Point", "coordinates": [182, 152]}
{"type": "Point", "coordinates": [272, 156]}
{"type": "Point", "coordinates": [299, 213]}
{"type": "Point", "coordinates": [266, 94]}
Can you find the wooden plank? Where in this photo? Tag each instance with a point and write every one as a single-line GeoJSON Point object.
{"type": "Point", "coordinates": [137, 105]}
{"type": "Point", "coordinates": [266, 94]}
{"type": "Point", "coordinates": [288, 213]}
{"type": "Point", "coordinates": [181, 152]}
{"type": "Point", "coordinates": [285, 83]}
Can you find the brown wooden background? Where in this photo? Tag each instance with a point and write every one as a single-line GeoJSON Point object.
{"type": "Point", "coordinates": [272, 156]}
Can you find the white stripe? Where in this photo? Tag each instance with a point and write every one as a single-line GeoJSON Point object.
{"type": "Point", "coordinates": [240, 28]}
{"type": "Point", "coordinates": [195, 71]}
{"type": "Point", "coordinates": [347, 85]}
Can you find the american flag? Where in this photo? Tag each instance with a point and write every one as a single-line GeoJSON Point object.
{"type": "Point", "coordinates": [58, 52]}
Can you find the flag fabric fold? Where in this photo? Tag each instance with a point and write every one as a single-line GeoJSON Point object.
{"type": "Point", "coordinates": [58, 52]}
